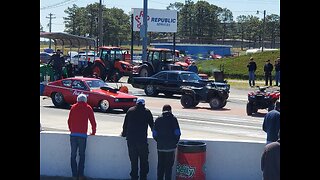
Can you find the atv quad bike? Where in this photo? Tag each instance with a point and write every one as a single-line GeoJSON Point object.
{"type": "Point", "coordinates": [215, 95]}
{"type": "Point", "coordinates": [263, 98]}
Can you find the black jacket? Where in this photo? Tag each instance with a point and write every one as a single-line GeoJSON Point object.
{"type": "Point", "coordinates": [57, 61]}
{"type": "Point", "coordinates": [252, 66]}
{"type": "Point", "coordinates": [268, 68]}
{"type": "Point", "coordinates": [166, 131]}
{"type": "Point", "coordinates": [270, 161]}
{"type": "Point", "coordinates": [135, 126]}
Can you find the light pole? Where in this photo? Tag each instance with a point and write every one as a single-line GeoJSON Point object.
{"type": "Point", "coordinates": [100, 24]}
{"type": "Point", "coordinates": [143, 30]}
{"type": "Point", "coordinates": [263, 28]}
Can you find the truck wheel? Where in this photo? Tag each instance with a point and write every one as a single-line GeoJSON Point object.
{"type": "Point", "coordinates": [116, 76]}
{"type": "Point", "coordinates": [187, 101]}
{"type": "Point", "coordinates": [104, 105]}
{"type": "Point", "coordinates": [215, 103]}
{"type": "Point", "coordinates": [144, 72]}
{"type": "Point", "coordinates": [99, 71]}
{"type": "Point", "coordinates": [249, 109]}
{"type": "Point", "coordinates": [150, 90]}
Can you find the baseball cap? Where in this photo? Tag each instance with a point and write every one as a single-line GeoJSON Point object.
{"type": "Point", "coordinates": [140, 101]}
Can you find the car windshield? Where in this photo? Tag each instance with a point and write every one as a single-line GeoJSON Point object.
{"type": "Point", "coordinates": [95, 84]}
{"type": "Point", "coordinates": [190, 77]}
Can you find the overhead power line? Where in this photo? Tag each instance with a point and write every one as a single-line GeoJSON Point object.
{"type": "Point", "coordinates": [65, 2]}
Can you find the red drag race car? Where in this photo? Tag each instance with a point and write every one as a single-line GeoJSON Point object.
{"type": "Point", "coordinates": [100, 95]}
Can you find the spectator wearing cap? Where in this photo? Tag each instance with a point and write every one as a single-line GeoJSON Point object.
{"type": "Point", "coordinates": [79, 115]}
{"type": "Point", "coordinates": [166, 133]}
{"type": "Point", "coordinates": [252, 67]}
{"type": "Point", "coordinates": [270, 161]}
{"type": "Point", "coordinates": [135, 129]}
{"type": "Point", "coordinates": [271, 123]}
{"type": "Point", "coordinates": [277, 69]}
{"type": "Point", "coordinates": [268, 67]}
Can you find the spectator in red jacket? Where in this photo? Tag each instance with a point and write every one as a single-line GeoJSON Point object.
{"type": "Point", "coordinates": [79, 115]}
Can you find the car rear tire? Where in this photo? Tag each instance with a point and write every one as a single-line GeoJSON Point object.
{"type": "Point", "coordinates": [215, 103]}
{"type": "Point", "coordinates": [104, 105]}
{"type": "Point", "coordinates": [58, 100]}
{"type": "Point", "coordinates": [150, 90]}
{"type": "Point", "coordinates": [187, 101]}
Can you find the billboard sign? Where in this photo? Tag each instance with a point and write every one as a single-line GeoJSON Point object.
{"type": "Point", "coordinates": [158, 20]}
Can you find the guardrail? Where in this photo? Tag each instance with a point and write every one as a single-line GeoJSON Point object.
{"type": "Point", "coordinates": [107, 157]}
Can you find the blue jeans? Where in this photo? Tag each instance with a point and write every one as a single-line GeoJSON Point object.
{"type": "Point", "coordinates": [251, 78]}
{"type": "Point", "coordinates": [77, 143]}
{"type": "Point", "coordinates": [277, 78]}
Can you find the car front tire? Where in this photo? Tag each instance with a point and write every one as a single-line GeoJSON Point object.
{"type": "Point", "coordinates": [104, 105]}
{"type": "Point", "coordinates": [150, 90]}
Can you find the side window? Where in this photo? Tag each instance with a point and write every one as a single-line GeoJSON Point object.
{"type": "Point", "coordinates": [162, 76]}
{"type": "Point", "coordinates": [66, 83]}
{"type": "Point", "coordinates": [173, 76]}
{"type": "Point", "coordinates": [78, 85]}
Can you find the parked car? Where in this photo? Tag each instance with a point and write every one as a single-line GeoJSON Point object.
{"type": "Point", "coordinates": [171, 82]}
{"type": "Point", "coordinates": [100, 95]}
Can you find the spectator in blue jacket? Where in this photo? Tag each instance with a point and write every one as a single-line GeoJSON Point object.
{"type": "Point", "coordinates": [271, 123]}
{"type": "Point", "coordinates": [252, 67]}
{"type": "Point", "coordinates": [193, 67]}
{"type": "Point", "coordinates": [167, 133]}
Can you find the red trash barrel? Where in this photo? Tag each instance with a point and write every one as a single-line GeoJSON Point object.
{"type": "Point", "coordinates": [191, 159]}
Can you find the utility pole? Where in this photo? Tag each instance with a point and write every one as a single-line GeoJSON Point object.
{"type": "Point", "coordinates": [50, 23]}
{"type": "Point", "coordinates": [100, 24]}
{"type": "Point", "coordinates": [143, 30]}
{"type": "Point", "coordinates": [263, 30]}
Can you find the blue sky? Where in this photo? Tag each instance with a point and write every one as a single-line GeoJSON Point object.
{"type": "Point", "coordinates": [237, 7]}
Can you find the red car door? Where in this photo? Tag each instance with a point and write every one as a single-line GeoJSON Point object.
{"type": "Point", "coordinates": [78, 87]}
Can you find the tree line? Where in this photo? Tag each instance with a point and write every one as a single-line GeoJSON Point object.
{"type": "Point", "coordinates": [198, 22]}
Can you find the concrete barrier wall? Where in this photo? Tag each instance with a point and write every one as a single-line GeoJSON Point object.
{"type": "Point", "coordinates": [107, 157]}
